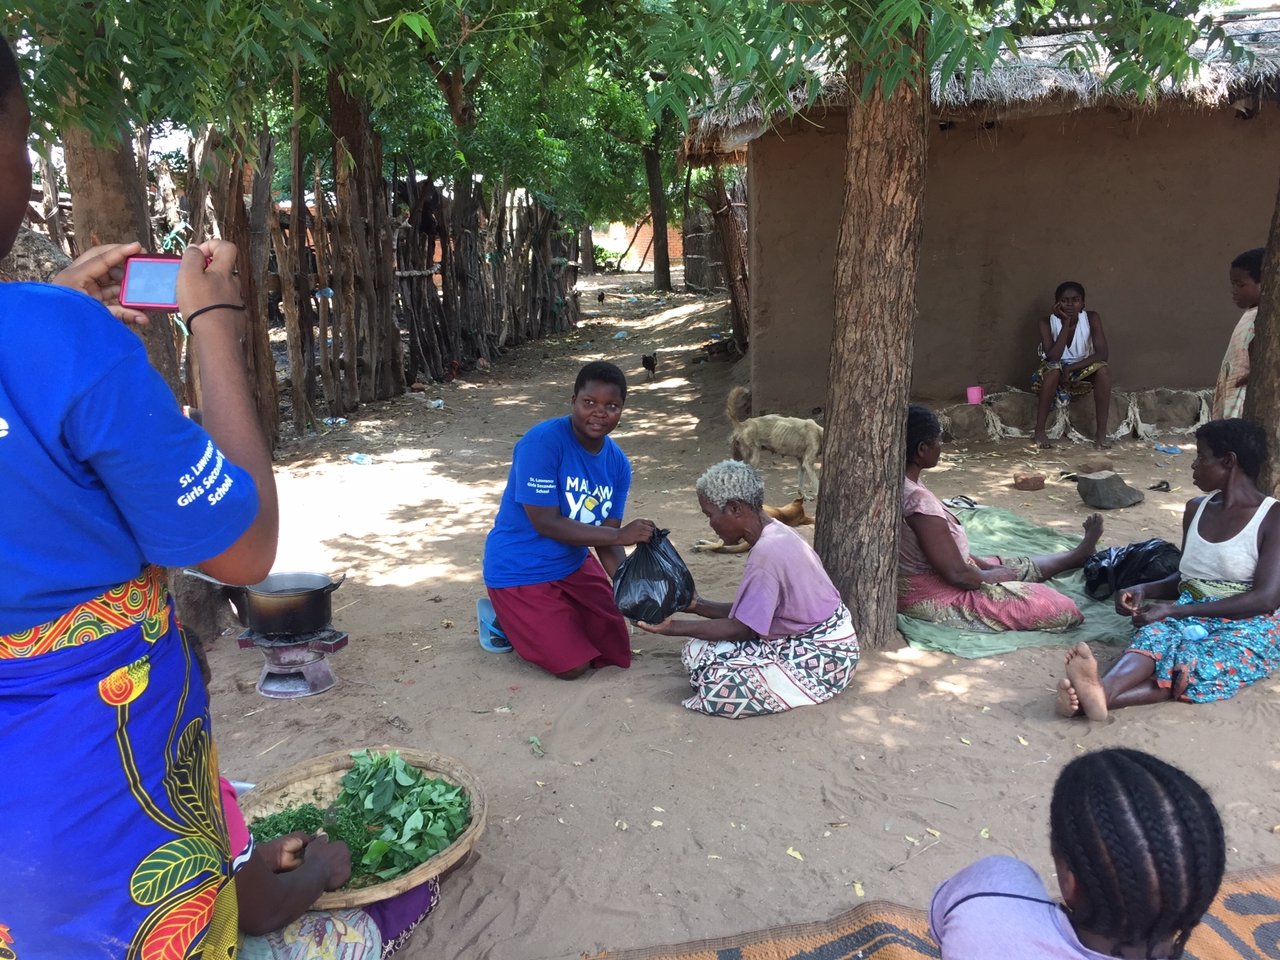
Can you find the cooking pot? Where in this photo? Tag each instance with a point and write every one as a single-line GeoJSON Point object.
{"type": "Point", "coordinates": [284, 603]}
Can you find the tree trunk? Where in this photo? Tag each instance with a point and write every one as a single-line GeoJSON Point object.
{"type": "Point", "coordinates": [298, 217]}
{"type": "Point", "coordinates": [1262, 397]}
{"type": "Point", "coordinates": [870, 375]}
{"type": "Point", "coordinates": [587, 251]}
{"type": "Point", "coordinates": [733, 249]}
{"type": "Point", "coordinates": [287, 265]}
{"type": "Point", "coordinates": [109, 206]}
{"type": "Point", "coordinates": [52, 206]}
{"type": "Point", "coordinates": [249, 231]}
{"type": "Point", "coordinates": [658, 207]}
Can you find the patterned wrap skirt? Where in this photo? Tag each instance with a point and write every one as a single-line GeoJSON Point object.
{"type": "Point", "coordinates": [1077, 383]}
{"type": "Point", "coordinates": [1216, 657]}
{"type": "Point", "coordinates": [113, 842]}
{"type": "Point", "coordinates": [736, 679]}
{"type": "Point", "coordinates": [1022, 604]}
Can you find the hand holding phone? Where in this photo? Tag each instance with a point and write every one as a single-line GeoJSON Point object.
{"type": "Point", "coordinates": [98, 273]}
{"type": "Point", "coordinates": [208, 278]}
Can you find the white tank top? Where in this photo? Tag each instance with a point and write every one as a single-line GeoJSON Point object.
{"type": "Point", "coordinates": [1235, 559]}
{"type": "Point", "coordinates": [1081, 344]}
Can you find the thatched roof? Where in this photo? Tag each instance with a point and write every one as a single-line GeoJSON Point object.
{"type": "Point", "coordinates": [1035, 82]}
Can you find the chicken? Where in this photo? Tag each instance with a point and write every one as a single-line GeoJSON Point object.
{"type": "Point", "coordinates": [650, 362]}
{"type": "Point", "coordinates": [452, 374]}
{"type": "Point", "coordinates": [600, 297]}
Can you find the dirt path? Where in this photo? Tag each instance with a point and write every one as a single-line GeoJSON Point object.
{"type": "Point", "coordinates": [709, 807]}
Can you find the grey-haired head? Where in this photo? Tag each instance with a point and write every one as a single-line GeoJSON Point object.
{"type": "Point", "coordinates": [731, 480]}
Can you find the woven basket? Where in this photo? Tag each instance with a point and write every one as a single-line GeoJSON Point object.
{"type": "Point", "coordinates": [318, 781]}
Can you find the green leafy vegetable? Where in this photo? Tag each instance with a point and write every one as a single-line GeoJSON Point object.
{"type": "Point", "coordinates": [389, 814]}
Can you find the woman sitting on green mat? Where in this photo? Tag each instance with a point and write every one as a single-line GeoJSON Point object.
{"type": "Point", "coordinates": [938, 580]}
{"type": "Point", "coordinates": [1210, 629]}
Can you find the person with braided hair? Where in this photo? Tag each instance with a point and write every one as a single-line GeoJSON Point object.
{"type": "Point", "coordinates": [1210, 629]}
{"type": "Point", "coordinates": [1139, 852]}
{"type": "Point", "coordinates": [940, 582]}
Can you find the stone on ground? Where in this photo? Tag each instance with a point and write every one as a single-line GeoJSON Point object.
{"type": "Point", "coordinates": [1028, 481]}
{"type": "Point", "coordinates": [1095, 465]}
{"type": "Point", "coordinates": [1106, 490]}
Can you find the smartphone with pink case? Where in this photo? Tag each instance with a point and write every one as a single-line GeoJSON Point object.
{"type": "Point", "coordinates": [150, 283]}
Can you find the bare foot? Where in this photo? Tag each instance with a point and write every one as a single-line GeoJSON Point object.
{"type": "Point", "coordinates": [1092, 532]}
{"type": "Point", "coordinates": [1042, 440]}
{"type": "Point", "coordinates": [1082, 672]}
{"type": "Point", "coordinates": [1102, 441]}
{"type": "Point", "coordinates": [1067, 703]}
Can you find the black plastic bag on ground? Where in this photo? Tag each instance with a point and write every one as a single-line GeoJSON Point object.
{"type": "Point", "coordinates": [653, 583]}
{"type": "Point", "coordinates": [1118, 567]}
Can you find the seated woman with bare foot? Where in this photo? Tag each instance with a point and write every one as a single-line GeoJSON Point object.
{"type": "Point", "coordinates": [1212, 628]}
{"type": "Point", "coordinates": [940, 582]}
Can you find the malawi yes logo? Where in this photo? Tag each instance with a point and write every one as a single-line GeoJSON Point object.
{"type": "Point", "coordinates": [587, 504]}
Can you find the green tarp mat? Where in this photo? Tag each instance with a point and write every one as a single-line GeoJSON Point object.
{"type": "Point", "coordinates": [996, 532]}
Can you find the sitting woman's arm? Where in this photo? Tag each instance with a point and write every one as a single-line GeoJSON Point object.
{"type": "Point", "coordinates": [1262, 600]}
{"type": "Point", "coordinates": [715, 625]}
{"type": "Point", "coordinates": [1129, 600]}
{"type": "Point", "coordinates": [270, 901]}
{"type": "Point", "coordinates": [944, 556]}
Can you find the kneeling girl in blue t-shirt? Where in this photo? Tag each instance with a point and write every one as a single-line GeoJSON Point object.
{"type": "Point", "coordinates": [566, 491]}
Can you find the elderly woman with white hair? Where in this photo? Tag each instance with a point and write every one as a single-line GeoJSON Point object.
{"type": "Point", "coordinates": [787, 640]}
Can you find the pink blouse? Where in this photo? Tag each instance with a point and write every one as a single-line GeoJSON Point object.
{"type": "Point", "coordinates": [918, 499]}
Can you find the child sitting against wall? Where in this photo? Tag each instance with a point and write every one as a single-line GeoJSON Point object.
{"type": "Point", "coordinates": [1139, 851]}
{"type": "Point", "coordinates": [1073, 361]}
{"type": "Point", "coordinates": [1233, 378]}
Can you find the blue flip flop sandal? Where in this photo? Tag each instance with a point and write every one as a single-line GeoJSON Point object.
{"type": "Point", "coordinates": [491, 636]}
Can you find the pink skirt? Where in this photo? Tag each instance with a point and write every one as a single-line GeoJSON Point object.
{"type": "Point", "coordinates": [992, 608]}
{"type": "Point", "coordinates": [563, 624]}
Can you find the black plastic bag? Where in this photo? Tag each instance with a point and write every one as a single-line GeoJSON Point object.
{"type": "Point", "coordinates": [653, 583]}
{"type": "Point", "coordinates": [1118, 567]}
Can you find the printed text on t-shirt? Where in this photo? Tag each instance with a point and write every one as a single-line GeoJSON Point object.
{"type": "Point", "coordinates": [196, 485]}
{"type": "Point", "coordinates": [588, 504]}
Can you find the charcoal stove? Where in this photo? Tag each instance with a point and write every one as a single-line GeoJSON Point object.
{"type": "Point", "coordinates": [296, 665]}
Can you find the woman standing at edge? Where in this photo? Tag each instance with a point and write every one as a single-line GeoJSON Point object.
{"type": "Point", "coordinates": [566, 491]}
{"type": "Point", "coordinates": [104, 723]}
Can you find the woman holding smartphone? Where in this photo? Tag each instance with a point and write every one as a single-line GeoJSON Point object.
{"type": "Point", "coordinates": [104, 724]}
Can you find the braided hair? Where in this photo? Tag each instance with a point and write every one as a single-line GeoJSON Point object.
{"type": "Point", "coordinates": [1145, 843]}
{"type": "Point", "coordinates": [922, 427]}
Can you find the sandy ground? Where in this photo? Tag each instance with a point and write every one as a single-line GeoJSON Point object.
{"type": "Point", "coordinates": [645, 823]}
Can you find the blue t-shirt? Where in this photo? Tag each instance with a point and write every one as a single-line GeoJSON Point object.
{"type": "Point", "coordinates": [550, 468]}
{"type": "Point", "coordinates": [100, 473]}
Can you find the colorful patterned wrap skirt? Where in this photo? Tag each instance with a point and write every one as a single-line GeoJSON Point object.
{"type": "Point", "coordinates": [1077, 383]}
{"type": "Point", "coordinates": [749, 678]}
{"type": "Point", "coordinates": [1022, 604]}
{"type": "Point", "coordinates": [112, 837]}
{"type": "Point", "coordinates": [1216, 657]}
